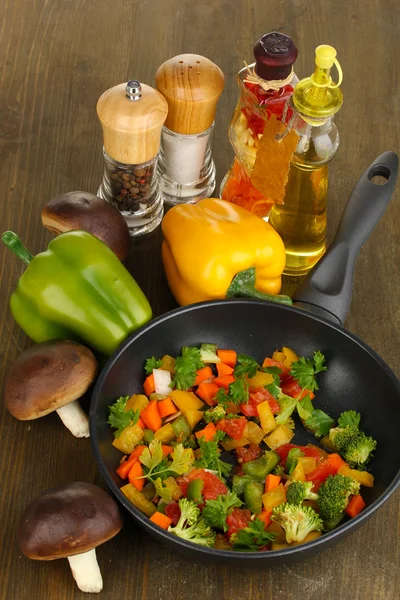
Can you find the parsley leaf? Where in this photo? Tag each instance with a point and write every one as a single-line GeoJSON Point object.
{"type": "Point", "coordinates": [216, 511]}
{"type": "Point", "coordinates": [305, 408]}
{"type": "Point", "coordinates": [186, 366]}
{"type": "Point", "coordinates": [287, 404]}
{"type": "Point", "coordinates": [246, 366]}
{"type": "Point", "coordinates": [152, 363]}
{"type": "Point", "coordinates": [319, 423]}
{"type": "Point", "coordinates": [209, 458]}
{"type": "Point", "coordinates": [237, 393]}
{"type": "Point", "coordinates": [162, 490]}
{"type": "Point", "coordinates": [349, 417]}
{"type": "Point", "coordinates": [305, 369]}
{"type": "Point", "coordinates": [158, 466]}
{"type": "Point", "coordinates": [120, 418]}
{"type": "Point", "coordinates": [291, 460]}
{"type": "Point", "coordinates": [252, 537]}
{"type": "Point", "coordinates": [182, 459]}
{"type": "Point", "coordinates": [273, 389]}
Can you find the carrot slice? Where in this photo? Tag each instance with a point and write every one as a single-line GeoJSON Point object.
{"type": "Point", "coordinates": [125, 467]}
{"type": "Point", "coordinates": [141, 423]}
{"type": "Point", "coordinates": [149, 385]}
{"type": "Point", "coordinates": [135, 472]}
{"type": "Point", "coordinates": [207, 391]}
{"type": "Point", "coordinates": [224, 369]}
{"type": "Point", "coordinates": [151, 416]}
{"type": "Point", "coordinates": [266, 517]}
{"type": "Point", "coordinates": [161, 520]}
{"type": "Point", "coordinates": [166, 408]}
{"type": "Point", "coordinates": [224, 381]}
{"type": "Point", "coordinates": [203, 374]}
{"type": "Point", "coordinates": [272, 481]}
{"type": "Point", "coordinates": [166, 449]}
{"type": "Point", "coordinates": [355, 506]}
{"type": "Point", "coordinates": [228, 357]}
{"type": "Point", "coordinates": [208, 432]}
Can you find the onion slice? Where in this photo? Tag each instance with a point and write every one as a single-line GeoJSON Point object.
{"type": "Point", "coordinates": [162, 381]}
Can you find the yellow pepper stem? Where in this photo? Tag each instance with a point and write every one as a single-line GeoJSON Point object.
{"type": "Point", "coordinates": [243, 286]}
{"type": "Point", "coordinates": [12, 241]}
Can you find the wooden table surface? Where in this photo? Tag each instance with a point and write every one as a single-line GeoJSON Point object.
{"type": "Point", "coordinates": [58, 58]}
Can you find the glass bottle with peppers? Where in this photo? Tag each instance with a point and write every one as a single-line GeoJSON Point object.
{"type": "Point", "coordinates": [301, 219]}
{"type": "Point", "coordinates": [265, 87]}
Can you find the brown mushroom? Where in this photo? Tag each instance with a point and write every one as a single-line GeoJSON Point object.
{"type": "Point", "coordinates": [87, 212]}
{"type": "Point", "coordinates": [70, 521]}
{"type": "Point", "coordinates": [48, 377]}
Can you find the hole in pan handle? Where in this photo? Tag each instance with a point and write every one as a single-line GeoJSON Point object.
{"type": "Point", "coordinates": [327, 289]}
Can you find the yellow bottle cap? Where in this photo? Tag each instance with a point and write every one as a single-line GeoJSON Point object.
{"type": "Point", "coordinates": [317, 97]}
{"type": "Point", "coordinates": [325, 56]}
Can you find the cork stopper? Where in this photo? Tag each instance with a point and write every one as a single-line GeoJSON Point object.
{"type": "Point", "coordinates": [192, 85]}
{"type": "Point", "coordinates": [132, 115]}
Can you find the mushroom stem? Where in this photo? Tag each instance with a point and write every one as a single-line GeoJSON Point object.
{"type": "Point", "coordinates": [86, 571]}
{"type": "Point", "coordinates": [74, 419]}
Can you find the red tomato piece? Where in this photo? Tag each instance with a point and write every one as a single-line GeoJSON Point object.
{"type": "Point", "coordinates": [322, 471]}
{"type": "Point", "coordinates": [233, 427]}
{"type": "Point", "coordinates": [245, 455]}
{"type": "Point", "coordinates": [257, 396]}
{"type": "Point", "coordinates": [213, 486]}
{"type": "Point", "coordinates": [291, 387]}
{"type": "Point", "coordinates": [237, 520]}
{"type": "Point", "coordinates": [173, 512]}
{"type": "Point", "coordinates": [308, 450]}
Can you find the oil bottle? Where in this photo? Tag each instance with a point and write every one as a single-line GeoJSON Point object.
{"type": "Point", "coordinates": [301, 219]}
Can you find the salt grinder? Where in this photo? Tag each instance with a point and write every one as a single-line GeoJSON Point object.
{"type": "Point", "coordinates": [132, 115]}
{"type": "Point", "coordinates": [192, 85]}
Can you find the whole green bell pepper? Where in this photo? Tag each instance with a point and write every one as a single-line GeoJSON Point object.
{"type": "Point", "coordinates": [79, 290]}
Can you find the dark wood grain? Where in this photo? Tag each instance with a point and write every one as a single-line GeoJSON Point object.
{"type": "Point", "coordinates": [58, 57]}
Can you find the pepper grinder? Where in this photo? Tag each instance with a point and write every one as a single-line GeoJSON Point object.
{"type": "Point", "coordinates": [191, 85]}
{"type": "Point", "coordinates": [132, 115]}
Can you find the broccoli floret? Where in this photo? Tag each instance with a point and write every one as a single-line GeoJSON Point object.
{"type": "Point", "coordinates": [342, 436]}
{"type": "Point", "coordinates": [297, 521]}
{"type": "Point", "coordinates": [359, 451]}
{"type": "Point", "coordinates": [333, 498]}
{"type": "Point", "coordinates": [191, 526]}
{"type": "Point", "coordinates": [214, 414]}
{"type": "Point", "coordinates": [298, 491]}
{"type": "Point", "coordinates": [208, 353]}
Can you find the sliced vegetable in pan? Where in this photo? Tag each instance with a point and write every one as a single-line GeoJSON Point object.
{"type": "Point", "coordinates": [209, 453]}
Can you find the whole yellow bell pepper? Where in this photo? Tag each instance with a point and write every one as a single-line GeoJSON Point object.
{"type": "Point", "coordinates": [215, 249]}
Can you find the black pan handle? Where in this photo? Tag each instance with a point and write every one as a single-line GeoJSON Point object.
{"type": "Point", "coordinates": [327, 289]}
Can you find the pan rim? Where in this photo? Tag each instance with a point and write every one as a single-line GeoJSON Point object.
{"type": "Point", "coordinates": [340, 532]}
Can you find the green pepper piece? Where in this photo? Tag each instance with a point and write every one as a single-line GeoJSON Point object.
{"type": "Point", "coordinates": [253, 491]}
{"type": "Point", "coordinates": [238, 482]}
{"type": "Point", "coordinates": [258, 469]}
{"type": "Point", "coordinates": [148, 436]}
{"type": "Point", "coordinates": [78, 289]}
{"type": "Point", "coordinates": [181, 427]}
{"type": "Point", "coordinates": [194, 490]}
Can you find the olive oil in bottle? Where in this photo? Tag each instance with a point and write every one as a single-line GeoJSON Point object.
{"type": "Point", "coordinates": [301, 220]}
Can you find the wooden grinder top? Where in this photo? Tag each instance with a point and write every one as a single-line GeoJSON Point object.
{"type": "Point", "coordinates": [132, 115]}
{"type": "Point", "coordinates": [192, 85]}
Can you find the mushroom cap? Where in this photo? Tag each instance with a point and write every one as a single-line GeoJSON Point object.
{"type": "Point", "coordinates": [69, 519]}
{"type": "Point", "coordinates": [87, 212]}
{"type": "Point", "coordinates": [48, 376]}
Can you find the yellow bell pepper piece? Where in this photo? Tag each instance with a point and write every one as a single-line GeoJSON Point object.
{"type": "Point", "coordinates": [280, 435]}
{"type": "Point", "coordinates": [208, 243]}
{"type": "Point", "coordinates": [363, 477]}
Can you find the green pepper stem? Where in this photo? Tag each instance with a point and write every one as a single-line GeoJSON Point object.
{"type": "Point", "coordinates": [243, 286]}
{"type": "Point", "coordinates": [12, 241]}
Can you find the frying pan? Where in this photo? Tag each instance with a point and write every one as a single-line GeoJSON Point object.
{"type": "Point", "coordinates": [357, 378]}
